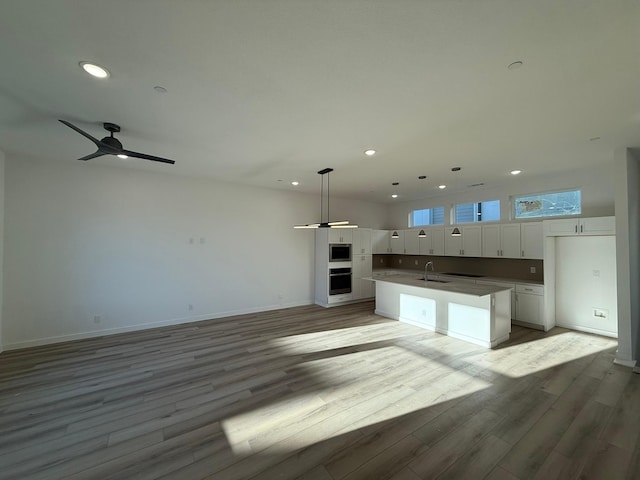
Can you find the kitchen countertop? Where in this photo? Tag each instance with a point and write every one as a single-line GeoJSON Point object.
{"type": "Point", "coordinates": [413, 280]}
{"type": "Point", "coordinates": [382, 272]}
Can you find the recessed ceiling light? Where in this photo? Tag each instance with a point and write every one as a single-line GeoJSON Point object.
{"type": "Point", "coordinates": [94, 70]}
{"type": "Point", "coordinates": [294, 183]}
{"type": "Point", "coordinates": [395, 195]}
{"type": "Point", "coordinates": [515, 65]}
{"type": "Point", "coordinates": [515, 172]}
{"type": "Point", "coordinates": [369, 152]}
{"type": "Point", "coordinates": [123, 157]}
{"type": "Point", "coordinates": [442, 187]}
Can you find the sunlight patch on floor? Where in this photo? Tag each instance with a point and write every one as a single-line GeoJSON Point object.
{"type": "Point", "coordinates": [538, 358]}
{"type": "Point", "coordinates": [352, 392]}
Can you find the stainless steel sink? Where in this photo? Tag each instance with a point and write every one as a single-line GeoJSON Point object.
{"type": "Point", "coordinates": [433, 280]}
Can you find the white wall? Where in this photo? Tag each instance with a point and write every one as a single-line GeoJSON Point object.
{"type": "Point", "coordinates": [2, 160]}
{"type": "Point", "coordinates": [597, 185]}
{"type": "Point", "coordinates": [627, 172]}
{"type": "Point", "coordinates": [586, 280]}
{"type": "Point", "coordinates": [84, 241]}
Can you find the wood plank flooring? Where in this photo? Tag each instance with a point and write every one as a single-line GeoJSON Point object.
{"type": "Point", "coordinates": [318, 394]}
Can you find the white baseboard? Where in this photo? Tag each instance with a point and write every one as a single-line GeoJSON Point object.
{"type": "Point", "coordinates": [144, 326]}
{"type": "Point", "coordinates": [604, 333]}
{"type": "Point", "coordinates": [625, 363]}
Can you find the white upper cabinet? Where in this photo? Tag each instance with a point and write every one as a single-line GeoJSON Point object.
{"type": "Point", "coordinates": [501, 241]}
{"type": "Point", "coordinates": [512, 240]}
{"type": "Point", "coordinates": [579, 226]}
{"type": "Point", "coordinates": [380, 241]}
{"type": "Point", "coordinates": [433, 242]}
{"type": "Point", "coordinates": [491, 241]}
{"type": "Point", "coordinates": [340, 235]}
{"type": "Point", "coordinates": [531, 240]}
{"type": "Point", "coordinates": [510, 237]}
{"type": "Point", "coordinates": [411, 242]}
{"type": "Point", "coordinates": [597, 226]}
{"type": "Point", "coordinates": [396, 245]}
{"type": "Point", "coordinates": [468, 244]}
{"type": "Point", "coordinates": [361, 241]}
{"type": "Point", "coordinates": [452, 245]}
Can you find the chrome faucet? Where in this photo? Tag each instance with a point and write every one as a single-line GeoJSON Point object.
{"type": "Point", "coordinates": [426, 269]}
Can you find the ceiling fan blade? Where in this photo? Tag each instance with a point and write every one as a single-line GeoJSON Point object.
{"type": "Point", "coordinates": [147, 157]}
{"type": "Point", "coordinates": [81, 132]}
{"type": "Point", "coordinates": [92, 155]}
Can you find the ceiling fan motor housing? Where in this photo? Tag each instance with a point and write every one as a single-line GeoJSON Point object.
{"type": "Point", "coordinates": [113, 143]}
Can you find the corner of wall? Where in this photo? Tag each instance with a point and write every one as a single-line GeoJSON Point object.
{"type": "Point", "coordinates": [627, 207]}
{"type": "Point", "coordinates": [2, 159]}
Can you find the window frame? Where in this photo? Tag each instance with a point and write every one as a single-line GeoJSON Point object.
{"type": "Point", "coordinates": [476, 206]}
{"type": "Point", "coordinates": [411, 213]}
{"type": "Point", "coordinates": [513, 201]}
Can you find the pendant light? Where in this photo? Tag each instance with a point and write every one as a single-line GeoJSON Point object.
{"type": "Point", "coordinates": [421, 234]}
{"type": "Point", "coordinates": [395, 235]}
{"type": "Point", "coordinates": [322, 223]}
{"type": "Point", "coordinates": [456, 232]}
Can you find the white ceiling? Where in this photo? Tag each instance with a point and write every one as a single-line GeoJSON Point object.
{"type": "Point", "coordinates": [263, 92]}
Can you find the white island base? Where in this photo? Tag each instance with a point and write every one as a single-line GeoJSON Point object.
{"type": "Point", "coordinates": [476, 314]}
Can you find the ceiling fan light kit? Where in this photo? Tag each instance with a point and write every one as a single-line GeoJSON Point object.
{"type": "Point", "coordinates": [111, 145]}
{"type": "Point", "coordinates": [322, 223]}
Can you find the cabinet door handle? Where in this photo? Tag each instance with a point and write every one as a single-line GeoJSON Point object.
{"type": "Point", "coordinates": [576, 228]}
{"type": "Point", "coordinates": [498, 252]}
{"type": "Point", "coordinates": [523, 253]}
{"type": "Point", "coordinates": [581, 229]}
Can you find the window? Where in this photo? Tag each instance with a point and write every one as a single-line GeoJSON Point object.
{"type": "Point", "coordinates": [477, 212]}
{"type": "Point", "coordinates": [426, 216]}
{"type": "Point", "coordinates": [548, 204]}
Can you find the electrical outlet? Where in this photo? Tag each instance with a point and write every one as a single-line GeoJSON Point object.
{"type": "Point", "coordinates": [97, 318]}
{"type": "Point", "coordinates": [416, 262]}
{"type": "Point", "coordinates": [400, 261]}
{"type": "Point", "coordinates": [532, 269]}
{"type": "Point", "coordinates": [189, 307]}
{"type": "Point", "coordinates": [596, 273]}
{"type": "Point", "coordinates": [203, 240]}
{"type": "Point", "coordinates": [424, 313]}
{"type": "Point", "coordinates": [600, 313]}
{"type": "Point", "coordinates": [381, 261]}
{"type": "Point", "coordinates": [191, 241]}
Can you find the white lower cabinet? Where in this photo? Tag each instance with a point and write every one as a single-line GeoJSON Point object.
{"type": "Point", "coordinates": [530, 305]}
{"type": "Point", "coordinates": [512, 286]}
{"type": "Point", "coordinates": [362, 268]}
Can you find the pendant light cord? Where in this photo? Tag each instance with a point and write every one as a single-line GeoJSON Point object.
{"type": "Point", "coordinates": [321, 198]}
{"type": "Point", "coordinates": [328, 215]}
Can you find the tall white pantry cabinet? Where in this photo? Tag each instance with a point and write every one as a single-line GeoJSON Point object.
{"type": "Point", "coordinates": [361, 264]}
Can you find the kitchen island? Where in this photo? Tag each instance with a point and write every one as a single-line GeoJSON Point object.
{"type": "Point", "coordinates": [479, 314]}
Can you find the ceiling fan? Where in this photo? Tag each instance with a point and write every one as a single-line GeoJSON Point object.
{"type": "Point", "coordinates": [111, 145]}
{"type": "Point", "coordinates": [327, 224]}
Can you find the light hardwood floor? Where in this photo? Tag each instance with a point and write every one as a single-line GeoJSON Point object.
{"type": "Point", "coordinates": [318, 394]}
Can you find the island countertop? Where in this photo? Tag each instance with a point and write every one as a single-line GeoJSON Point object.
{"type": "Point", "coordinates": [476, 290]}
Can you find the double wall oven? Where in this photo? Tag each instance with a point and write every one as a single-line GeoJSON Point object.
{"type": "Point", "coordinates": [339, 268]}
